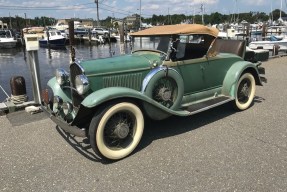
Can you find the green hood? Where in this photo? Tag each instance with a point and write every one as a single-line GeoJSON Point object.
{"type": "Point", "coordinates": [119, 64]}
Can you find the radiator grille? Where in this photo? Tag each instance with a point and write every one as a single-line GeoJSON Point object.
{"type": "Point", "coordinates": [132, 81]}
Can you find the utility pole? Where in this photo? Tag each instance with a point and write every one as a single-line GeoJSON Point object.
{"type": "Point", "coordinates": [202, 13]}
{"type": "Point", "coordinates": [193, 18]}
{"type": "Point", "coordinates": [98, 18]}
{"type": "Point", "coordinates": [169, 21]}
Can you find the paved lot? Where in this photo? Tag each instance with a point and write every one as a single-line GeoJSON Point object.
{"type": "Point", "coordinates": [218, 150]}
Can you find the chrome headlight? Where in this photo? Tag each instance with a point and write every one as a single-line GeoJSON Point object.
{"type": "Point", "coordinates": [62, 76]}
{"type": "Point", "coordinates": [57, 103]}
{"type": "Point", "coordinates": [82, 84]}
{"type": "Point", "coordinates": [67, 108]}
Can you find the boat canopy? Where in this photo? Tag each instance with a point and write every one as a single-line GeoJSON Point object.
{"type": "Point", "coordinates": [180, 29]}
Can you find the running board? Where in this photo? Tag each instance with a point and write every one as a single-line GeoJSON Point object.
{"type": "Point", "coordinates": [205, 105]}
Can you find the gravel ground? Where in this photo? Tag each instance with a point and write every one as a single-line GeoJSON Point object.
{"type": "Point", "coordinates": [217, 150]}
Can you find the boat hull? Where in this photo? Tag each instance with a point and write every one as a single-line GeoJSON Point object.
{"type": "Point", "coordinates": [269, 45]}
{"type": "Point", "coordinates": [8, 44]}
{"type": "Point", "coordinates": [55, 43]}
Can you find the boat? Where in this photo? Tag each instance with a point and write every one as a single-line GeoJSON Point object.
{"type": "Point", "coordinates": [256, 32]}
{"type": "Point", "coordinates": [53, 39]}
{"type": "Point", "coordinates": [6, 39]}
{"type": "Point", "coordinates": [60, 26]}
{"type": "Point", "coordinates": [33, 30]}
{"type": "Point", "coordinates": [270, 44]}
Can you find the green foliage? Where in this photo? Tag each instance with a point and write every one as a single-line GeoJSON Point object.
{"type": "Point", "coordinates": [214, 18]}
{"type": "Point", "coordinates": [20, 23]}
{"type": "Point", "coordinates": [276, 14]}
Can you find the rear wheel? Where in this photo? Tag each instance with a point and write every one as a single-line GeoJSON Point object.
{"type": "Point", "coordinates": [245, 92]}
{"type": "Point", "coordinates": [116, 131]}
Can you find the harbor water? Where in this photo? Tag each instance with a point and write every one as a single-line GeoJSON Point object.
{"type": "Point", "coordinates": [14, 62]}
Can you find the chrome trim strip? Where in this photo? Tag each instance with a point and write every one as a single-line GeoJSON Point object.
{"type": "Point", "coordinates": [211, 106]}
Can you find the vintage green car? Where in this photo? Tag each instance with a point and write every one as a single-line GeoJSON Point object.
{"type": "Point", "coordinates": [173, 70]}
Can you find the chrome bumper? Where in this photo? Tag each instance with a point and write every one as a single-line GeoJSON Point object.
{"type": "Point", "coordinates": [74, 130]}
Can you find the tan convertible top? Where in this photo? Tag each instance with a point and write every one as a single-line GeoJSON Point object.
{"type": "Point", "coordinates": [182, 29]}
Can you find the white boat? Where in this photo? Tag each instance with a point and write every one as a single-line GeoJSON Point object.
{"type": "Point", "coordinates": [6, 39]}
{"type": "Point", "coordinates": [53, 39]}
{"type": "Point", "coordinates": [118, 38]}
{"type": "Point", "coordinates": [60, 26]}
{"type": "Point", "coordinates": [270, 44]}
{"type": "Point", "coordinates": [99, 39]}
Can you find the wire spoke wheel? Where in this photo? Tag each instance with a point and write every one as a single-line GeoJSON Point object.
{"type": "Point", "coordinates": [165, 91]}
{"type": "Point", "coordinates": [119, 130]}
{"type": "Point", "coordinates": [116, 131]}
{"type": "Point", "coordinates": [245, 91]}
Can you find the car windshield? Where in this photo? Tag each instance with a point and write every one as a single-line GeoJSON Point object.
{"type": "Point", "coordinates": [160, 43]}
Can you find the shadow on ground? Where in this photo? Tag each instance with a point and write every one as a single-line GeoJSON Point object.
{"type": "Point", "coordinates": [159, 129]}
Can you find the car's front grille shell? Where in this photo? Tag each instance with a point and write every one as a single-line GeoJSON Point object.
{"type": "Point", "coordinates": [75, 70]}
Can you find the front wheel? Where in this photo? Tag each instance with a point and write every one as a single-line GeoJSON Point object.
{"type": "Point", "coordinates": [245, 91]}
{"type": "Point", "coordinates": [116, 131]}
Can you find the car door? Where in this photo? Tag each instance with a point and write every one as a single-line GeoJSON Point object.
{"type": "Point", "coordinates": [192, 63]}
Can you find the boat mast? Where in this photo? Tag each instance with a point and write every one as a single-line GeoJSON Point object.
{"type": "Point", "coordinates": [237, 20]}
{"type": "Point", "coordinates": [10, 22]}
{"type": "Point", "coordinates": [271, 12]}
{"type": "Point", "coordinates": [281, 9]}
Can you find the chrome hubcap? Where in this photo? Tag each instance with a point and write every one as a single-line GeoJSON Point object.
{"type": "Point", "coordinates": [165, 94]}
{"type": "Point", "coordinates": [121, 130]}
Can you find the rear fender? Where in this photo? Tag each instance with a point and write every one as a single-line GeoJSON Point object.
{"type": "Point", "coordinates": [234, 73]}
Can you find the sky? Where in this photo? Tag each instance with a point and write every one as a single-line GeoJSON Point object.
{"type": "Point", "coordinates": [83, 9]}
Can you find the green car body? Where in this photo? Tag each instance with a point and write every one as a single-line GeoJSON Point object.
{"type": "Point", "coordinates": [152, 82]}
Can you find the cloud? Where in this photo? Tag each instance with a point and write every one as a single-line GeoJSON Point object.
{"type": "Point", "coordinates": [206, 2]}
{"type": "Point", "coordinates": [256, 3]}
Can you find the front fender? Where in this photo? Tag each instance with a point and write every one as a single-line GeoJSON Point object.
{"type": "Point", "coordinates": [233, 74]}
{"type": "Point", "coordinates": [65, 94]}
{"type": "Point", "coordinates": [111, 93]}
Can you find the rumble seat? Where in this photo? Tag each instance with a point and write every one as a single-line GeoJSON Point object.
{"type": "Point", "coordinates": [236, 47]}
